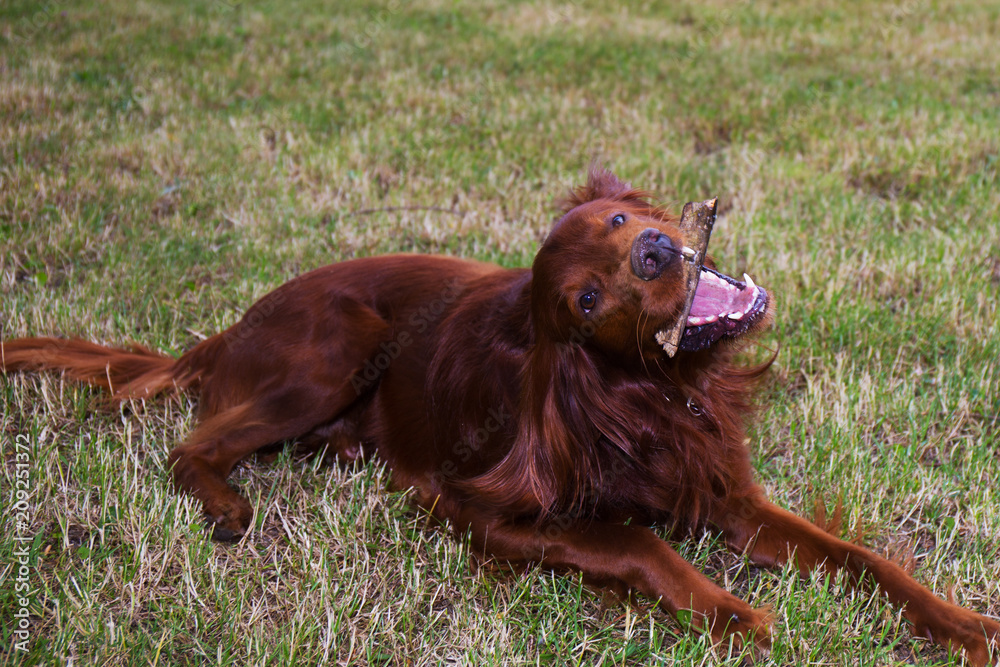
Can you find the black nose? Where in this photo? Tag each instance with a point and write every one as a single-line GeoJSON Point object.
{"type": "Point", "coordinates": [652, 253]}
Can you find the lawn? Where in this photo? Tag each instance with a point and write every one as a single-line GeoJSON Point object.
{"type": "Point", "coordinates": [163, 165]}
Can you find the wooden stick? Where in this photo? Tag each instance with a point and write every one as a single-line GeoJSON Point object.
{"type": "Point", "coordinates": [697, 220]}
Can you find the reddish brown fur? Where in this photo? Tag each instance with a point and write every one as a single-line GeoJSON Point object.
{"type": "Point", "coordinates": [552, 434]}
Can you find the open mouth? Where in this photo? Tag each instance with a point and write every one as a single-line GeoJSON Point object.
{"type": "Point", "coordinates": [723, 307]}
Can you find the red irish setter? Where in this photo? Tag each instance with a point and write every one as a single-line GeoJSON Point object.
{"type": "Point", "coordinates": [533, 408]}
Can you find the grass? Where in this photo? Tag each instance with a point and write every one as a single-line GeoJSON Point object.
{"type": "Point", "coordinates": [163, 165]}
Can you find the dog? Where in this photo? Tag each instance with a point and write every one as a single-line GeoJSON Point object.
{"type": "Point", "coordinates": [531, 408]}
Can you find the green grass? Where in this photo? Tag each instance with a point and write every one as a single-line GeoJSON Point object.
{"type": "Point", "coordinates": [163, 165]}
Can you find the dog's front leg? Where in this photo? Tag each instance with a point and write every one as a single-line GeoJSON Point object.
{"type": "Point", "coordinates": [633, 558]}
{"type": "Point", "coordinates": [771, 536]}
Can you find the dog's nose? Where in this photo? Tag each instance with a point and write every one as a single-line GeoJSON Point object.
{"type": "Point", "coordinates": [652, 253]}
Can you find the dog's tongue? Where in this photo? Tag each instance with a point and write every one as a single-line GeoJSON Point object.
{"type": "Point", "coordinates": [717, 306]}
{"type": "Point", "coordinates": [722, 307]}
{"type": "Point", "coordinates": [721, 297]}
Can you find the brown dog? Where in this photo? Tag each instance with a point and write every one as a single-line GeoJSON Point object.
{"type": "Point", "coordinates": [531, 407]}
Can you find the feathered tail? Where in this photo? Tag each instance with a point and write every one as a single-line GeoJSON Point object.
{"type": "Point", "coordinates": [135, 372]}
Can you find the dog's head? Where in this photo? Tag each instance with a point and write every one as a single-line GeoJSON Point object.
{"type": "Point", "coordinates": [610, 275]}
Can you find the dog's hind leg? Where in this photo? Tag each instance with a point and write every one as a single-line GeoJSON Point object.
{"type": "Point", "coordinates": [202, 464]}
{"type": "Point", "coordinates": [293, 375]}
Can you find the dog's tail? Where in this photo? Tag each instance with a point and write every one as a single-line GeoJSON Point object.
{"type": "Point", "coordinates": [134, 372]}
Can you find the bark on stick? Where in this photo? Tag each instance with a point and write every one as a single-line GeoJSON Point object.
{"type": "Point", "coordinates": [697, 220]}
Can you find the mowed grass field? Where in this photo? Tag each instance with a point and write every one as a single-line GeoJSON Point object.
{"type": "Point", "coordinates": [163, 165]}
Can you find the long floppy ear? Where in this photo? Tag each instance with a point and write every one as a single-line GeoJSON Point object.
{"type": "Point", "coordinates": [551, 466]}
{"type": "Point", "coordinates": [581, 432]}
{"type": "Point", "coordinates": [602, 184]}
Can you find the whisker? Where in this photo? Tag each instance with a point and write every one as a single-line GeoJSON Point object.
{"type": "Point", "coordinates": [639, 328]}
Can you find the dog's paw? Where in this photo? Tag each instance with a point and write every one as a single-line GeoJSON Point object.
{"type": "Point", "coordinates": [229, 518]}
{"type": "Point", "coordinates": [962, 630]}
{"type": "Point", "coordinates": [742, 628]}
{"type": "Point", "coordinates": [220, 533]}
{"type": "Point", "coordinates": [751, 629]}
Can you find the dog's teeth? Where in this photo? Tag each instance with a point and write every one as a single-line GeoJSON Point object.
{"type": "Point", "coordinates": [711, 318]}
{"type": "Point", "coordinates": [696, 321]}
{"type": "Point", "coordinates": [688, 253]}
{"type": "Point", "coordinates": [738, 315]}
{"type": "Point", "coordinates": [749, 281]}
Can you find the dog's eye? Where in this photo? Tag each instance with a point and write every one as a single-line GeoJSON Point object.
{"type": "Point", "coordinates": [588, 301]}
{"type": "Point", "coordinates": [618, 220]}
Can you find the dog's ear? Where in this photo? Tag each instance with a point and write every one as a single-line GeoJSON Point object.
{"type": "Point", "coordinates": [552, 463]}
{"type": "Point", "coordinates": [601, 184]}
